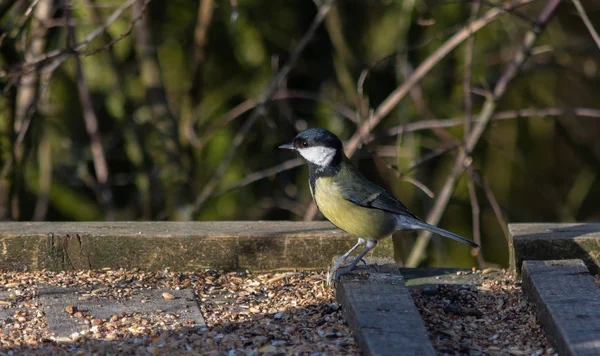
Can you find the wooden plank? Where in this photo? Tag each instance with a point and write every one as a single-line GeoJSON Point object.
{"type": "Point", "coordinates": [380, 310]}
{"type": "Point", "coordinates": [555, 242]}
{"type": "Point", "coordinates": [567, 300]}
{"type": "Point", "coordinates": [182, 246]}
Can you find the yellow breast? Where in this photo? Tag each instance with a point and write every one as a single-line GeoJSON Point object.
{"type": "Point", "coordinates": [357, 220]}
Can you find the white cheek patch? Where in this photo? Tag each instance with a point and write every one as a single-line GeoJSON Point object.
{"type": "Point", "coordinates": [319, 155]}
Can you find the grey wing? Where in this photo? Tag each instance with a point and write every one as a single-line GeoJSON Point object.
{"type": "Point", "coordinates": [362, 192]}
{"type": "Point", "coordinates": [357, 189]}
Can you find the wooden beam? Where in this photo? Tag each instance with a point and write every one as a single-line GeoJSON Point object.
{"type": "Point", "coordinates": [567, 302]}
{"type": "Point", "coordinates": [554, 242]}
{"type": "Point", "coordinates": [380, 310]}
{"type": "Point", "coordinates": [182, 246]}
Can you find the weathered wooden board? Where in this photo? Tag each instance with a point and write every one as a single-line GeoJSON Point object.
{"type": "Point", "coordinates": [183, 246]}
{"type": "Point", "coordinates": [555, 242]}
{"type": "Point", "coordinates": [567, 300]}
{"type": "Point", "coordinates": [380, 310]}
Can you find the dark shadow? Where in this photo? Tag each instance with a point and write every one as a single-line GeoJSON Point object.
{"type": "Point", "coordinates": [560, 243]}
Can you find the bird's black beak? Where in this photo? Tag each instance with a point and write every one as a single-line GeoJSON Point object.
{"type": "Point", "coordinates": [287, 146]}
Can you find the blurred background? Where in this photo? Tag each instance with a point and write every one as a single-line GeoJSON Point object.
{"type": "Point", "coordinates": [173, 110]}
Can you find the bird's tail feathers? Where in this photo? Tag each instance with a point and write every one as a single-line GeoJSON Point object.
{"type": "Point", "coordinates": [421, 225]}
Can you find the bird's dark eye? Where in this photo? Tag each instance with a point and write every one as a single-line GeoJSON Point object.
{"type": "Point", "coordinates": [304, 144]}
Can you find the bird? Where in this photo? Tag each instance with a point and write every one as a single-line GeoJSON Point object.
{"type": "Point", "coordinates": [350, 201]}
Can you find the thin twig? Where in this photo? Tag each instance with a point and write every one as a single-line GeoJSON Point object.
{"type": "Point", "coordinates": [60, 54]}
{"type": "Point", "coordinates": [587, 22]}
{"type": "Point", "coordinates": [26, 15]}
{"type": "Point", "coordinates": [45, 175]}
{"type": "Point", "coordinates": [453, 30]}
{"type": "Point", "coordinates": [401, 175]}
{"type": "Point", "coordinates": [419, 185]}
{"type": "Point", "coordinates": [469, 72]}
{"type": "Point", "coordinates": [47, 76]}
{"type": "Point", "coordinates": [430, 156]}
{"type": "Point", "coordinates": [146, 174]}
{"type": "Point", "coordinates": [92, 128]}
{"type": "Point", "coordinates": [203, 20]}
{"type": "Point", "coordinates": [210, 187]}
{"type": "Point", "coordinates": [500, 116]}
{"type": "Point", "coordinates": [476, 216]}
{"type": "Point", "coordinates": [282, 203]}
{"type": "Point", "coordinates": [399, 93]}
{"type": "Point", "coordinates": [417, 254]}
{"type": "Point", "coordinates": [489, 193]}
{"type": "Point", "coordinates": [418, 98]}
{"type": "Point", "coordinates": [26, 102]}
{"type": "Point", "coordinates": [256, 176]}
{"type": "Point", "coordinates": [247, 105]}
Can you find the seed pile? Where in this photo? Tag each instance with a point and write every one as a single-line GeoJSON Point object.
{"type": "Point", "coordinates": [245, 314]}
{"type": "Point", "coordinates": [493, 318]}
{"type": "Point", "coordinates": [290, 313]}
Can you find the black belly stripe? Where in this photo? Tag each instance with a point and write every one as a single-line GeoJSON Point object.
{"type": "Point", "coordinates": [315, 172]}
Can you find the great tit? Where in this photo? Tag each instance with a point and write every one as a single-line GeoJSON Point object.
{"type": "Point", "coordinates": [350, 201]}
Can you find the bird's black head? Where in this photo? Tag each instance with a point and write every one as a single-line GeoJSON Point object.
{"type": "Point", "coordinates": [317, 146]}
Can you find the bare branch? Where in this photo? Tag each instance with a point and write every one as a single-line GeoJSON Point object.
{"type": "Point", "coordinates": [401, 175]}
{"type": "Point", "coordinates": [45, 176]}
{"type": "Point", "coordinates": [430, 156]}
{"type": "Point", "coordinates": [282, 94]}
{"type": "Point", "coordinates": [46, 77]}
{"type": "Point", "coordinates": [273, 86]}
{"type": "Point", "coordinates": [169, 159]}
{"type": "Point", "coordinates": [394, 98]}
{"type": "Point", "coordinates": [500, 116]}
{"type": "Point", "coordinates": [27, 101]}
{"type": "Point", "coordinates": [91, 126]}
{"type": "Point", "coordinates": [469, 72]}
{"type": "Point", "coordinates": [256, 176]}
{"type": "Point", "coordinates": [282, 203]}
{"type": "Point", "coordinates": [587, 22]}
{"type": "Point", "coordinates": [203, 20]}
{"type": "Point", "coordinates": [399, 93]}
{"type": "Point", "coordinates": [417, 254]}
{"type": "Point", "coordinates": [59, 55]}
{"type": "Point", "coordinates": [476, 216]}
{"type": "Point", "coordinates": [489, 193]}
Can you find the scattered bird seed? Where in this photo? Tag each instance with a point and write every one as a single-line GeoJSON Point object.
{"type": "Point", "coordinates": [279, 313]}
{"type": "Point", "coordinates": [493, 318]}
{"type": "Point", "coordinates": [271, 313]}
{"type": "Point", "coordinates": [71, 309]}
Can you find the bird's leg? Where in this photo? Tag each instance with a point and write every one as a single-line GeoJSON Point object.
{"type": "Point", "coordinates": [369, 246]}
{"type": "Point", "coordinates": [341, 260]}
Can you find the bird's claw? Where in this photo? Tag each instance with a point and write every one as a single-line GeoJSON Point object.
{"type": "Point", "coordinates": [334, 275]}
